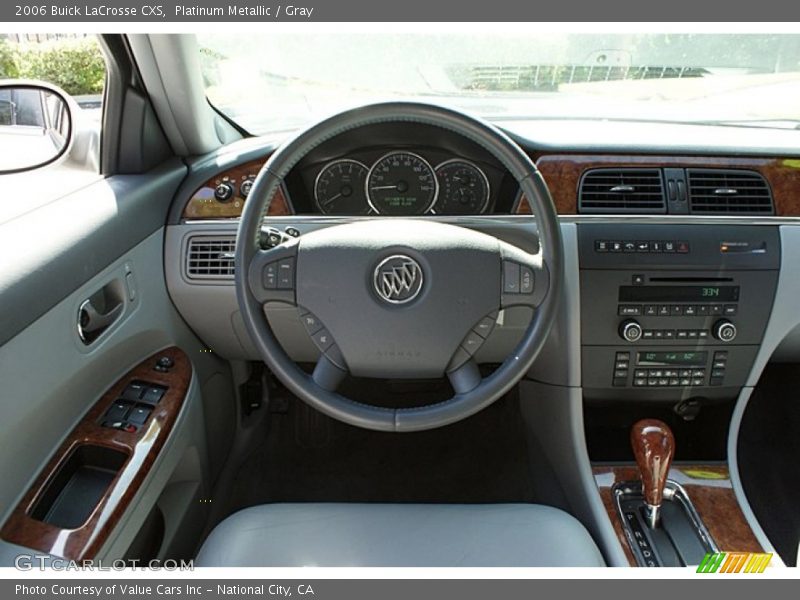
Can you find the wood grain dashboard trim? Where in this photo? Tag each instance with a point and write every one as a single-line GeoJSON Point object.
{"type": "Point", "coordinates": [142, 449]}
{"type": "Point", "coordinates": [562, 173]}
{"type": "Point", "coordinates": [709, 488]}
{"type": "Point", "coordinates": [203, 205]}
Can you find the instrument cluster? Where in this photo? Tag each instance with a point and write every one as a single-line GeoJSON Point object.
{"type": "Point", "coordinates": [401, 183]}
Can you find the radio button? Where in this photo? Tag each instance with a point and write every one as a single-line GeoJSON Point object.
{"type": "Point", "coordinates": [663, 310]}
{"type": "Point", "coordinates": [703, 334]}
{"type": "Point", "coordinates": [702, 310]}
{"type": "Point", "coordinates": [692, 334]}
{"type": "Point", "coordinates": [690, 311]}
{"type": "Point", "coordinates": [648, 334]}
{"type": "Point", "coordinates": [716, 310]}
{"type": "Point", "coordinates": [676, 310]}
{"type": "Point", "coordinates": [650, 310]}
{"type": "Point", "coordinates": [669, 334]}
{"type": "Point", "coordinates": [629, 310]}
{"type": "Point", "coordinates": [658, 334]}
{"type": "Point", "coordinates": [730, 310]}
{"type": "Point", "coordinates": [682, 334]}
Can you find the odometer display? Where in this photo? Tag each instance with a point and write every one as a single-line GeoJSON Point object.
{"type": "Point", "coordinates": [402, 183]}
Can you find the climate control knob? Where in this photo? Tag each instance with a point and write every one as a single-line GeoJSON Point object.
{"type": "Point", "coordinates": [630, 331]}
{"type": "Point", "coordinates": [724, 330]}
{"type": "Point", "coordinates": [223, 192]}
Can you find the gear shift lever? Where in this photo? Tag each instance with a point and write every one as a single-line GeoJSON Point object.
{"type": "Point", "coordinates": [653, 446]}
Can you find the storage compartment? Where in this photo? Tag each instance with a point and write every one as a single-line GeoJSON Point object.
{"type": "Point", "coordinates": [78, 486]}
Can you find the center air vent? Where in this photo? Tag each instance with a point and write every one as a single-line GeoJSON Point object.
{"type": "Point", "coordinates": [714, 191]}
{"type": "Point", "coordinates": [210, 257]}
{"type": "Point", "coordinates": [622, 191]}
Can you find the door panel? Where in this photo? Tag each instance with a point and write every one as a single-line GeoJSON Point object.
{"type": "Point", "coordinates": [49, 376]}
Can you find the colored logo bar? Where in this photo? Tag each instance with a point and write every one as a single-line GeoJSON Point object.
{"type": "Point", "coordinates": [734, 562]}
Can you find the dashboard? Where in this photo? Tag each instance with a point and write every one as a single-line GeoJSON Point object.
{"type": "Point", "coordinates": [656, 234]}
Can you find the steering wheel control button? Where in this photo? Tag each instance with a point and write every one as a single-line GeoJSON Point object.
{"type": "Point", "coordinates": [311, 323]}
{"type": "Point", "coordinates": [472, 342]}
{"type": "Point", "coordinates": [459, 358]}
{"type": "Point", "coordinates": [525, 280]}
{"type": "Point", "coordinates": [485, 327]}
{"type": "Point", "coordinates": [271, 276]}
{"type": "Point", "coordinates": [335, 356]}
{"type": "Point", "coordinates": [322, 339]}
{"type": "Point", "coordinates": [397, 279]}
{"type": "Point", "coordinates": [286, 274]}
{"type": "Point", "coordinates": [511, 275]}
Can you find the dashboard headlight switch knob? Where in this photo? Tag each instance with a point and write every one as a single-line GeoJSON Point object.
{"type": "Point", "coordinates": [223, 192]}
{"type": "Point", "coordinates": [630, 330]}
{"type": "Point", "coordinates": [724, 330]}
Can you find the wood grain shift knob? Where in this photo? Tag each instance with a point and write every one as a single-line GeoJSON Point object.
{"type": "Point", "coordinates": [653, 446]}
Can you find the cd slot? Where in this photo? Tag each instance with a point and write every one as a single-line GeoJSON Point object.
{"type": "Point", "coordinates": [691, 279]}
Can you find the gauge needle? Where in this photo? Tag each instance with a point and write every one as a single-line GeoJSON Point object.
{"type": "Point", "coordinates": [384, 187]}
{"type": "Point", "coordinates": [329, 200]}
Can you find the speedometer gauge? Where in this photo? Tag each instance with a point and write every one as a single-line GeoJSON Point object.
{"type": "Point", "coordinates": [402, 183]}
{"type": "Point", "coordinates": [464, 188]}
{"type": "Point", "coordinates": [339, 188]}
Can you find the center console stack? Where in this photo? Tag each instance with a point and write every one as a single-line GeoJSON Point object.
{"type": "Point", "coordinates": [673, 312]}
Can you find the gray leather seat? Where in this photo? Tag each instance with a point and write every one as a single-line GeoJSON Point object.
{"type": "Point", "coordinates": [399, 535]}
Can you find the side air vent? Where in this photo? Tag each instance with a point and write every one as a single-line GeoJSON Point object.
{"type": "Point", "coordinates": [622, 191]}
{"type": "Point", "coordinates": [210, 257]}
{"type": "Point", "coordinates": [714, 191]}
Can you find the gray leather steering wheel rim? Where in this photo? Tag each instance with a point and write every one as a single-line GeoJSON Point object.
{"type": "Point", "coordinates": [461, 405]}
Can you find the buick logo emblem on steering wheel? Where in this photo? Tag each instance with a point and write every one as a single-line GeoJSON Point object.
{"type": "Point", "coordinates": [398, 279]}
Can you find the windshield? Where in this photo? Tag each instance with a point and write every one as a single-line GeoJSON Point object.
{"type": "Point", "coordinates": [279, 82]}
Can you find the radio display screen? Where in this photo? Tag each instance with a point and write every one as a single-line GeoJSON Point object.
{"type": "Point", "coordinates": [679, 293]}
{"type": "Point", "coordinates": [666, 359]}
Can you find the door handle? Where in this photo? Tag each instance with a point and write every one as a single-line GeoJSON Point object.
{"type": "Point", "coordinates": [92, 323]}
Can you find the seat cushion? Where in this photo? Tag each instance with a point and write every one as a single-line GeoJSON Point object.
{"type": "Point", "coordinates": [400, 535]}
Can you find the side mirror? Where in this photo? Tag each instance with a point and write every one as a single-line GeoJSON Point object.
{"type": "Point", "coordinates": [36, 125]}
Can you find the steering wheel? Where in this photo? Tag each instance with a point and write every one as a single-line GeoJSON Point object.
{"type": "Point", "coordinates": [398, 297]}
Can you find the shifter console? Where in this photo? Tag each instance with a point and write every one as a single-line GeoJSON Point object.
{"type": "Point", "coordinates": [660, 522]}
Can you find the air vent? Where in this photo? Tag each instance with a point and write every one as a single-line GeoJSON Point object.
{"type": "Point", "coordinates": [622, 191]}
{"type": "Point", "coordinates": [713, 191]}
{"type": "Point", "coordinates": [210, 257]}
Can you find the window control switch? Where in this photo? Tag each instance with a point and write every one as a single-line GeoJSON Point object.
{"type": "Point", "coordinates": [118, 411]}
{"type": "Point", "coordinates": [153, 394]}
{"type": "Point", "coordinates": [139, 415]}
{"type": "Point", "coordinates": [134, 391]}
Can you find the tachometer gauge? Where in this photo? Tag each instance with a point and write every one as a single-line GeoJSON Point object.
{"type": "Point", "coordinates": [402, 183]}
{"type": "Point", "coordinates": [339, 188]}
{"type": "Point", "coordinates": [463, 188]}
